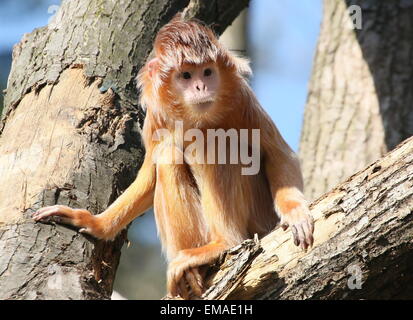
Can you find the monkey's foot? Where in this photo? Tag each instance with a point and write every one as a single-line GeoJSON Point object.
{"type": "Point", "coordinates": [184, 280]}
{"type": "Point", "coordinates": [184, 270]}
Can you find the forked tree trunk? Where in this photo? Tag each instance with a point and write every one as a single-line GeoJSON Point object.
{"type": "Point", "coordinates": [360, 97]}
{"type": "Point", "coordinates": [70, 134]}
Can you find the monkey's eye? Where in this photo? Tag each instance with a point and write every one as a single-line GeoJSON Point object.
{"type": "Point", "coordinates": [207, 72]}
{"type": "Point", "coordinates": [186, 75]}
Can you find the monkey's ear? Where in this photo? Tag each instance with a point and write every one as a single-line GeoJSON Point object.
{"type": "Point", "coordinates": [153, 66]}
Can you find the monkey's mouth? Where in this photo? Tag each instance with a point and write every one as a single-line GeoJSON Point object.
{"type": "Point", "coordinates": [203, 105]}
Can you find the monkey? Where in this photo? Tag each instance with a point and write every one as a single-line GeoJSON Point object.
{"type": "Point", "coordinates": [202, 208]}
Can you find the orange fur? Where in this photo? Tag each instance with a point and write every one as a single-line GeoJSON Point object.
{"type": "Point", "coordinates": [229, 207]}
{"type": "Point", "coordinates": [203, 209]}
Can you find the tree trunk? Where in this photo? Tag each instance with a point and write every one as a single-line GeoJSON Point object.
{"type": "Point", "coordinates": [361, 92]}
{"type": "Point", "coordinates": [363, 245]}
{"type": "Point", "coordinates": [70, 135]}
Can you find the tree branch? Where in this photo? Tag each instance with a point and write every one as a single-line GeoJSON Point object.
{"type": "Point", "coordinates": [364, 225]}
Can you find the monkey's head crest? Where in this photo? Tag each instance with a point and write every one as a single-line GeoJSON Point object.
{"type": "Point", "coordinates": [187, 41]}
{"type": "Point", "coordinates": [190, 41]}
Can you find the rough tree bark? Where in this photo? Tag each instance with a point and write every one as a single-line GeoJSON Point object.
{"type": "Point", "coordinates": [360, 95]}
{"type": "Point", "coordinates": [363, 245]}
{"type": "Point", "coordinates": [70, 135]}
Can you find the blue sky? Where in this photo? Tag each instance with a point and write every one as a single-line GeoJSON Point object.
{"type": "Point", "coordinates": [283, 36]}
{"type": "Point", "coordinates": [18, 17]}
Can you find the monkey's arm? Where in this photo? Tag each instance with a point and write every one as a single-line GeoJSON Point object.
{"type": "Point", "coordinates": [284, 176]}
{"type": "Point", "coordinates": [137, 198]}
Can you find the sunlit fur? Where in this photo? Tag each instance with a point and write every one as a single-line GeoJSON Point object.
{"type": "Point", "coordinates": [215, 204]}
{"type": "Point", "coordinates": [202, 209]}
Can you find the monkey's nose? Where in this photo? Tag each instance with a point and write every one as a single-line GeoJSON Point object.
{"type": "Point", "coordinates": [200, 86]}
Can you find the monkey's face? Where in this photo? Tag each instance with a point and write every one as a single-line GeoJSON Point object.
{"type": "Point", "coordinates": [197, 86]}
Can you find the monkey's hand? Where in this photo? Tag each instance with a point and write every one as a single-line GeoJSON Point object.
{"type": "Point", "coordinates": [301, 223]}
{"type": "Point", "coordinates": [80, 218]}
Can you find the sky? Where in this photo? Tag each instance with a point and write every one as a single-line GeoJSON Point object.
{"type": "Point", "coordinates": [22, 16]}
{"type": "Point", "coordinates": [282, 38]}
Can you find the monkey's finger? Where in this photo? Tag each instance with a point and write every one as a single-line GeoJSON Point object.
{"type": "Point", "coordinates": [301, 236]}
{"type": "Point", "coordinates": [51, 211]}
{"type": "Point", "coordinates": [41, 210]}
{"type": "Point", "coordinates": [85, 230]}
{"type": "Point", "coordinates": [58, 207]}
{"type": "Point", "coordinates": [173, 288]}
{"type": "Point", "coordinates": [193, 282]}
{"type": "Point", "coordinates": [309, 235]}
{"type": "Point", "coordinates": [295, 235]}
{"type": "Point", "coordinates": [199, 275]}
{"type": "Point", "coordinates": [183, 290]}
{"type": "Point", "coordinates": [284, 226]}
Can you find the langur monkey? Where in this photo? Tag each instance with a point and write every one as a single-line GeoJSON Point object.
{"type": "Point", "coordinates": [201, 207]}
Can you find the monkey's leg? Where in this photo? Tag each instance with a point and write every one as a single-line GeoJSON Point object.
{"type": "Point", "coordinates": [180, 225]}
{"type": "Point", "coordinates": [226, 222]}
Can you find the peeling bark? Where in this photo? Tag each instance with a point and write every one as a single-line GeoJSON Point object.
{"type": "Point", "coordinates": [70, 134]}
{"type": "Point", "coordinates": [365, 224]}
